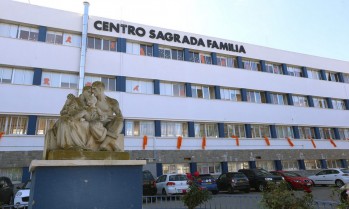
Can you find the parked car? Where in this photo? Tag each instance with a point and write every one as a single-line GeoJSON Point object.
{"type": "Point", "coordinates": [6, 191]}
{"type": "Point", "coordinates": [259, 178]}
{"type": "Point", "coordinates": [22, 196]}
{"type": "Point", "coordinates": [207, 181]}
{"type": "Point", "coordinates": [169, 184]}
{"type": "Point", "coordinates": [232, 181]}
{"type": "Point", "coordinates": [334, 176]}
{"type": "Point", "coordinates": [295, 180]}
{"type": "Point", "coordinates": [149, 186]}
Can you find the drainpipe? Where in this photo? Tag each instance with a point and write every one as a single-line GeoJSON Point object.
{"type": "Point", "coordinates": [83, 47]}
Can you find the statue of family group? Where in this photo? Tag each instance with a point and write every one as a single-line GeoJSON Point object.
{"type": "Point", "coordinates": [92, 121]}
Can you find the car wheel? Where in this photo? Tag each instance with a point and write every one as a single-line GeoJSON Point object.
{"type": "Point", "coordinates": [339, 183]}
{"type": "Point", "coordinates": [214, 191]}
{"type": "Point", "coordinates": [260, 187]}
{"type": "Point", "coordinates": [230, 190]}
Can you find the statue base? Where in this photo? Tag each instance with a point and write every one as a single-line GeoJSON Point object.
{"type": "Point", "coordinates": [86, 155]}
{"type": "Point", "coordinates": [86, 184]}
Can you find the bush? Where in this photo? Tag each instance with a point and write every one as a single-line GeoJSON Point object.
{"type": "Point", "coordinates": [279, 196]}
{"type": "Point", "coordinates": [195, 195]}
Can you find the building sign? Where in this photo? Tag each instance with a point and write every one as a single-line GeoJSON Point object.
{"type": "Point", "coordinates": [167, 36]}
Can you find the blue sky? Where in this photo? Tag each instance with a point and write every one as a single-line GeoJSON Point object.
{"type": "Point", "coordinates": [315, 27]}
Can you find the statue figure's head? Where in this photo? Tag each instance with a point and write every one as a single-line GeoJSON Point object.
{"type": "Point", "coordinates": [98, 88]}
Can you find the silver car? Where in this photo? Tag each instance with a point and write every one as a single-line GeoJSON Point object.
{"type": "Point", "coordinates": [169, 184]}
{"type": "Point", "coordinates": [333, 176]}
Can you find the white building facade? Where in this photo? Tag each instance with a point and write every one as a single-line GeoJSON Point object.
{"type": "Point", "coordinates": [190, 102]}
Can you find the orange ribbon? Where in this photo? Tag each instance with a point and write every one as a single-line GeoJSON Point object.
{"type": "Point", "coordinates": [267, 140]}
{"type": "Point", "coordinates": [145, 141]}
{"type": "Point", "coordinates": [236, 139]}
{"type": "Point", "coordinates": [290, 142]}
{"type": "Point", "coordinates": [312, 141]}
{"type": "Point", "coordinates": [179, 142]}
{"type": "Point", "coordinates": [1, 134]}
{"type": "Point", "coordinates": [203, 145]}
{"type": "Point", "coordinates": [332, 142]}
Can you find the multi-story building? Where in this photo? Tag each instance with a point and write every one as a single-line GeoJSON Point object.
{"type": "Point", "coordinates": [190, 102]}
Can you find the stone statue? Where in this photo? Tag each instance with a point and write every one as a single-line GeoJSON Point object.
{"type": "Point", "coordinates": [91, 122]}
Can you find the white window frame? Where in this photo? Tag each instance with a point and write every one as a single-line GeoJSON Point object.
{"type": "Point", "coordinates": [209, 130]}
{"type": "Point", "coordinates": [230, 94]}
{"type": "Point", "coordinates": [174, 129]}
{"type": "Point", "coordinates": [232, 129]}
{"type": "Point", "coordinates": [14, 124]}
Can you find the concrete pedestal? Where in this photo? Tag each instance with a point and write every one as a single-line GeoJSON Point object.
{"type": "Point", "coordinates": [86, 184]}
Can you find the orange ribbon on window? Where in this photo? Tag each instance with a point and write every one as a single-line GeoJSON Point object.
{"type": "Point", "coordinates": [236, 140]}
{"type": "Point", "coordinates": [312, 141]}
{"type": "Point", "coordinates": [203, 144]}
{"type": "Point", "coordinates": [290, 141]}
{"type": "Point", "coordinates": [332, 142]}
{"type": "Point", "coordinates": [1, 134]}
{"type": "Point", "coordinates": [179, 142]}
{"type": "Point", "coordinates": [267, 140]}
{"type": "Point", "coordinates": [145, 141]}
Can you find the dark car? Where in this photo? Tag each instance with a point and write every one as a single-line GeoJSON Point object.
{"type": "Point", "coordinates": [259, 178]}
{"type": "Point", "coordinates": [6, 191]}
{"type": "Point", "coordinates": [295, 180]}
{"type": "Point", "coordinates": [208, 182]}
{"type": "Point", "coordinates": [149, 186]}
{"type": "Point", "coordinates": [232, 181]}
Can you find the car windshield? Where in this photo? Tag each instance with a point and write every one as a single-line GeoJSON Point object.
{"type": "Point", "coordinates": [291, 174]}
{"type": "Point", "coordinates": [263, 172]}
{"type": "Point", "coordinates": [345, 170]}
{"type": "Point", "coordinates": [177, 178]}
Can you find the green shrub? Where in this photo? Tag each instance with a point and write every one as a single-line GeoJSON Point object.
{"type": "Point", "coordinates": [195, 195]}
{"type": "Point", "coordinates": [279, 196]}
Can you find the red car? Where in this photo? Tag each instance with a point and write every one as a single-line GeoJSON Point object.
{"type": "Point", "coordinates": [295, 180]}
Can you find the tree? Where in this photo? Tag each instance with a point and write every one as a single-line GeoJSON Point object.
{"type": "Point", "coordinates": [195, 195]}
{"type": "Point", "coordinates": [279, 196]}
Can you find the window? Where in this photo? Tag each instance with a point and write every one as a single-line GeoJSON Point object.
{"type": "Point", "coordinates": [300, 101]}
{"type": "Point", "coordinates": [101, 44]}
{"type": "Point", "coordinates": [139, 86]}
{"type": "Point", "coordinates": [174, 129]}
{"type": "Point", "coordinates": [205, 58]}
{"type": "Point", "coordinates": [251, 65]}
{"type": "Point", "coordinates": [16, 76]}
{"type": "Point", "coordinates": [206, 129]}
{"type": "Point", "coordinates": [168, 53]}
{"type": "Point", "coordinates": [260, 131]}
{"type": "Point", "coordinates": [54, 37]}
{"type": "Point", "coordinates": [277, 98]}
{"type": "Point", "coordinates": [172, 89]}
{"type": "Point", "coordinates": [314, 74]}
{"type": "Point", "coordinates": [176, 168]}
{"type": "Point", "coordinates": [331, 76]}
{"type": "Point", "coordinates": [231, 129]}
{"type": "Point", "coordinates": [294, 71]}
{"type": "Point", "coordinates": [109, 83]}
{"type": "Point", "coordinates": [8, 30]}
{"type": "Point", "coordinates": [338, 104]}
{"type": "Point", "coordinates": [256, 97]}
{"type": "Point", "coordinates": [235, 166]}
{"type": "Point", "coordinates": [320, 102]}
{"type": "Point", "coordinates": [205, 92]}
{"type": "Point", "coordinates": [60, 80]}
{"type": "Point", "coordinates": [146, 50]}
{"type": "Point", "coordinates": [343, 133]}
{"type": "Point", "coordinates": [11, 124]}
{"type": "Point", "coordinates": [289, 165]}
{"type": "Point", "coordinates": [265, 164]}
{"type": "Point", "coordinates": [226, 61]}
{"type": "Point", "coordinates": [346, 78]}
{"type": "Point", "coordinates": [306, 132]}
{"type": "Point", "coordinates": [326, 133]}
{"type": "Point", "coordinates": [44, 124]}
{"type": "Point", "coordinates": [139, 128]}
{"type": "Point", "coordinates": [27, 33]}
{"type": "Point", "coordinates": [312, 164]}
{"type": "Point", "coordinates": [71, 40]}
{"type": "Point", "coordinates": [273, 68]}
{"type": "Point", "coordinates": [209, 168]}
{"type": "Point", "coordinates": [194, 57]}
{"type": "Point", "coordinates": [334, 163]}
{"type": "Point", "coordinates": [133, 48]}
{"type": "Point", "coordinates": [284, 132]}
{"type": "Point", "coordinates": [230, 94]}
